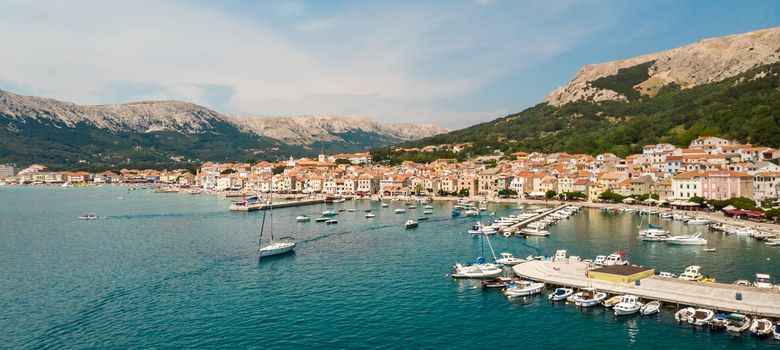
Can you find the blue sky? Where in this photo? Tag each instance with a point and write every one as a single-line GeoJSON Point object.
{"type": "Point", "coordinates": [452, 63]}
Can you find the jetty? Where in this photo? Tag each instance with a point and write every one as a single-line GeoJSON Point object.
{"type": "Point", "coordinates": [715, 296]}
{"type": "Point", "coordinates": [264, 206]}
{"type": "Point", "coordinates": [517, 226]}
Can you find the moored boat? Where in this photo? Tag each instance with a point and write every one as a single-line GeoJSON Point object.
{"type": "Point", "coordinates": [701, 317]}
{"type": "Point", "coordinates": [523, 288]}
{"type": "Point", "coordinates": [687, 240]}
{"type": "Point", "coordinates": [737, 323]}
{"type": "Point", "coordinates": [628, 305]}
{"type": "Point", "coordinates": [302, 218]}
{"type": "Point", "coordinates": [589, 297]}
{"type": "Point", "coordinates": [560, 294]}
{"type": "Point", "coordinates": [479, 270]}
{"type": "Point", "coordinates": [509, 260]}
{"type": "Point", "coordinates": [650, 308]}
{"type": "Point", "coordinates": [331, 222]}
{"type": "Point", "coordinates": [498, 282]}
{"type": "Point", "coordinates": [718, 322]}
{"type": "Point", "coordinates": [691, 274]}
{"type": "Point", "coordinates": [609, 303]}
{"type": "Point", "coordinates": [370, 215]}
{"type": "Point", "coordinates": [411, 223]}
{"type": "Point", "coordinates": [683, 314]}
{"type": "Point", "coordinates": [89, 217]}
{"type": "Point", "coordinates": [761, 327]}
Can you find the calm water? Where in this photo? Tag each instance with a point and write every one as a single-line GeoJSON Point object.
{"type": "Point", "coordinates": [179, 271]}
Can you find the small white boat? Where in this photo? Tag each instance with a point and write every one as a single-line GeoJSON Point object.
{"type": "Point", "coordinates": [428, 207]}
{"type": "Point", "coordinates": [773, 242]}
{"type": "Point", "coordinates": [560, 294]}
{"type": "Point", "coordinates": [761, 327]}
{"type": "Point", "coordinates": [302, 218]}
{"type": "Point", "coordinates": [650, 308]}
{"type": "Point", "coordinates": [684, 314]}
{"type": "Point", "coordinates": [369, 215]}
{"type": "Point", "coordinates": [509, 260]}
{"type": "Point", "coordinates": [691, 274]}
{"type": "Point", "coordinates": [615, 259]}
{"type": "Point", "coordinates": [667, 275]}
{"type": "Point", "coordinates": [687, 240]}
{"type": "Point", "coordinates": [530, 231]}
{"type": "Point", "coordinates": [332, 222]}
{"type": "Point", "coordinates": [609, 303]}
{"type": "Point", "coordinates": [385, 205]}
{"type": "Point", "coordinates": [476, 271]}
{"type": "Point", "coordinates": [628, 305]}
{"type": "Point", "coordinates": [427, 212]}
{"type": "Point", "coordinates": [599, 261]}
{"type": "Point", "coordinates": [763, 281]}
{"type": "Point", "coordinates": [653, 234]}
{"type": "Point", "coordinates": [776, 331]}
{"type": "Point", "coordinates": [399, 211]}
{"type": "Point", "coordinates": [351, 210]}
{"type": "Point", "coordinates": [737, 323]}
{"type": "Point", "coordinates": [701, 317]}
{"type": "Point", "coordinates": [697, 221]}
{"type": "Point", "coordinates": [88, 217]}
{"type": "Point", "coordinates": [329, 213]}
{"type": "Point", "coordinates": [523, 288]}
{"type": "Point", "coordinates": [589, 297]}
{"type": "Point", "coordinates": [498, 282]}
{"type": "Point", "coordinates": [411, 223]}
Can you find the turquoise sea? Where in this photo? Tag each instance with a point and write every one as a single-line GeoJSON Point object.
{"type": "Point", "coordinates": [180, 271]}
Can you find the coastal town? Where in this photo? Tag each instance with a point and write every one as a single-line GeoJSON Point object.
{"type": "Point", "coordinates": [711, 168]}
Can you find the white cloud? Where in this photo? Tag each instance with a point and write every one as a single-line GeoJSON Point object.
{"type": "Point", "coordinates": [389, 64]}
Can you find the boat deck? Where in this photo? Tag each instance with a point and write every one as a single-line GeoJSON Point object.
{"type": "Point", "coordinates": [717, 296]}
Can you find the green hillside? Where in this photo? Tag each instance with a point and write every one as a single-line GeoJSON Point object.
{"type": "Point", "coordinates": [745, 107]}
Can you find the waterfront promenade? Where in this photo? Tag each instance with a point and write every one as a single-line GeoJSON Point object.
{"type": "Point", "coordinates": [716, 296]}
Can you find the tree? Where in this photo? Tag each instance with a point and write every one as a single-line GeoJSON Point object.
{"type": "Point", "coordinates": [609, 196]}
{"type": "Point", "coordinates": [696, 199]}
{"type": "Point", "coordinates": [418, 188]}
{"type": "Point", "coordinates": [443, 193]}
{"type": "Point", "coordinates": [573, 195]}
{"type": "Point", "coordinates": [278, 170]}
{"type": "Point", "coordinates": [549, 194]}
{"type": "Point", "coordinates": [343, 161]}
{"type": "Point", "coordinates": [504, 193]}
{"type": "Point", "coordinates": [227, 171]}
{"type": "Point", "coordinates": [772, 214]}
{"type": "Point", "coordinates": [464, 192]}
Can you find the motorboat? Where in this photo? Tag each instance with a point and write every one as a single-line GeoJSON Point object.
{"type": "Point", "coordinates": [509, 260]}
{"type": "Point", "coordinates": [471, 212]}
{"type": "Point", "coordinates": [302, 218]}
{"type": "Point", "coordinates": [385, 205]}
{"type": "Point", "coordinates": [589, 297]}
{"type": "Point", "coordinates": [701, 317]}
{"type": "Point", "coordinates": [428, 207]}
{"type": "Point", "coordinates": [351, 210]}
{"type": "Point", "coordinates": [479, 229]}
{"type": "Point", "coordinates": [744, 283]}
{"type": "Point", "coordinates": [498, 282]}
{"type": "Point", "coordinates": [608, 303]}
{"type": "Point", "coordinates": [455, 213]}
{"type": "Point", "coordinates": [411, 223]}
{"type": "Point", "coordinates": [329, 213]}
{"type": "Point", "coordinates": [89, 217]}
{"type": "Point", "coordinates": [399, 211]}
{"type": "Point", "coordinates": [691, 273]}
{"type": "Point", "coordinates": [412, 207]}
{"type": "Point", "coordinates": [761, 327]}
{"type": "Point", "coordinates": [697, 221]}
{"type": "Point", "coordinates": [523, 288]}
{"type": "Point", "coordinates": [422, 218]}
{"type": "Point", "coordinates": [687, 240]}
{"type": "Point", "coordinates": [529, 231]}
{"type": "Point", "coordinates": [653, 234]}
{"type": "Point", "coordinates": [479, 270]}
{"type": "Point", "coordinates": [560, 294]}
{"type": "Point", "coordinates": [599, 261]}
{"type": "Point", "coordinates": [763, 281]}
{"type": "Point", "coordinates": [776, 332]}
{"type": "Point", "coordinates": [628, 305]}
{"type": "Point", "coordinates": [737, 323]}
{"type": "Point", "coordinates": [331, 222]}
{"type": "Point", "coordinates": [773, 242]}
{"type": "Point", "coordinates": [718, 322]}
{"type": "Point", "coordinates": [370, 215]}
{"type": "Point", "coordinates": [321, 219]}
{"type": "Point", "coordinates": [684, 314]}
{"type": "Point", "coordinates": [650, 308]}
{"type": "Point", "coordinates": [615, 259]}
{"type": "Point", "coordinates": [427, 212]}
{"type": "Point", "coordinates": [667, 275]}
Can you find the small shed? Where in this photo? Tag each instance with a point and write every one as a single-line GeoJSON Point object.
{"type": "Point", "coordinates": [621, 273]}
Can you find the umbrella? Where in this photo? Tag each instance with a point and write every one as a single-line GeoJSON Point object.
{"type": "Point", "coordinates": [729, 207]}
{"type": "Point", "coordinates": [629, 200]}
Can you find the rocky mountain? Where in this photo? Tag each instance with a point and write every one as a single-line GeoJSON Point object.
{"type": "Point", "coordinates": [35, 129]}
{"type": "Point", "coordinates": [707, 61]}
{"type": "Point", "coordinates": [728, 87]}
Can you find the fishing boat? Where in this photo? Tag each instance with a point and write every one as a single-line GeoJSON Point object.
{"type": "Point", "coordinates": [718, 322]}
{"type": "Point", "coordinates": [498, 282]}
{"type": "Point", "coordinates": [89, 217]}
{"type": "Point", "coordinates": [687, 240]}
{"type": "Point", "coordinates": [509, 260]}
{"type": "Point", "coordinates": [273, 247]}
{"type": "Point", "coordinates": [588, 297]}
{"type": "Point", "coordinates": [329, 213]}
{"type": "Point", "coordinates": [399, 211]}
{"type": "Point", "coordinates": [650, 308]}
{"type": "Point", "coordinates": [560, 294]}
{"type": "Point", "coordinates": [701, 317]}
{"type": "Point", "coordinates": [628, 305]}
{"type": "Point", "coordinates": [370, 215]}
{"type": "Point", "coordinates": [684, 314]}
{"type": "Point", "coordinates": [302, 218]}
{"type": "Point", "coordinates": [609, 303]}
{"type": "Point", "coordinates": [523, 288]}
{"type": "Point", "coordinates": [331, 222]}
{"type": "Point", "coordinates": [691, 273]}
{"type": "Point", "coordinates": [737, 323]}
{"type": "Point", "coordinates": [411, 223]}
{"type": "Point", "coordinates": [761, 327]}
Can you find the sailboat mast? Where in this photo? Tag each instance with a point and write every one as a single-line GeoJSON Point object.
{"type": "Point", "coordinates": [491, 248]}
{"type": "Point", "coordinates": [271, 209]}
{"type": "Point", "coordinates": [262, 226]}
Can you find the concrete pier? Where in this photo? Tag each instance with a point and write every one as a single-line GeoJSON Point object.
{"type": "Point", "coordinates": [516, 227]}
{"type": "Point", "coordinates": [715, 296]}
{"type": "Point", "coordinates": [258, 206]}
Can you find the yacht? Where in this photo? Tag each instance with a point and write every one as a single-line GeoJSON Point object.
{"type": "Point", "coordinates": [509, 260]}
{"type": "Point", "coordinates": [691, 274]}
{"type": "Point", "coordinates": [411, 223]}
{"type": "Point", "coordinates": [628, 305]}
{"type": "Point", "coordinates": [302, 218]}
{"type": "Point", "coordinates": [273, 247]}
{"type": "Point", "coordinates": [523, 288]}
{"type": "Point", "coordinates": [560, 294]}
{"type": "Point", "coordinates": [479, 270]}
{"type": "Point", "coordinates": [687, 240]}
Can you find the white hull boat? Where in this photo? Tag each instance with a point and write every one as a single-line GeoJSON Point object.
{"type": "Point", "coordinates": [738, 323]}
{"type": "Point", "coordinates": [523, 288]}
{"type": "Point", "coordinates": [302, 218]}
{"type": "Point", "coordinates": [650, 308]}
{"type": "Point", "coordinates": [476, 271]}
{"type": "Point", "coordinates": [628, 305]}
{"type": "Point", "coordinates": [761, 327]}
{"type": "Point", "coordinates": [369, 215]}
{"type": "Point", "coordinates": [684, 314]}
{"type": "Point", "coordinates": [276, 248]}
{"type": "Point", "coordinates": [701, 317]}
{"type": "Point", "coordinates": [589, 298]}
{"type": "Point", "coordinates": [509, 260]}
{"type": "Point", "coordinates": [560, 294]}
{"type": "Point", "coordinates": [687, 240]}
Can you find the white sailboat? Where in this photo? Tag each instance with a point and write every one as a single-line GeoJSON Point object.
{"type": "Point", "coordinates": [273, 247]}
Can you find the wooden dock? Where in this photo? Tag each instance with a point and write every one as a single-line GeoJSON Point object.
{"type": "Point", "coordinates": [715, 296]}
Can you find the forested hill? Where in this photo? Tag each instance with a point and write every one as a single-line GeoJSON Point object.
{"type": "Point", "coordinates": [745, 107]}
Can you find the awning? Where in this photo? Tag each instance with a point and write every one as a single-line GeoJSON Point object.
{"type": "Point", "coordinates": [536, 194]}
{"type": "Point", "coordinates": [629, 200]}
{"type": "Point", "coordinates": [744, 212]}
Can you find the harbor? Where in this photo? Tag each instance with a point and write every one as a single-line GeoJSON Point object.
{"type": "Point", "coordinates": [716, 296]}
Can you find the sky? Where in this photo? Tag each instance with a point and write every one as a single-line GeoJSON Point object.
{"type": "Point", "coordinates": [453, 63]}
